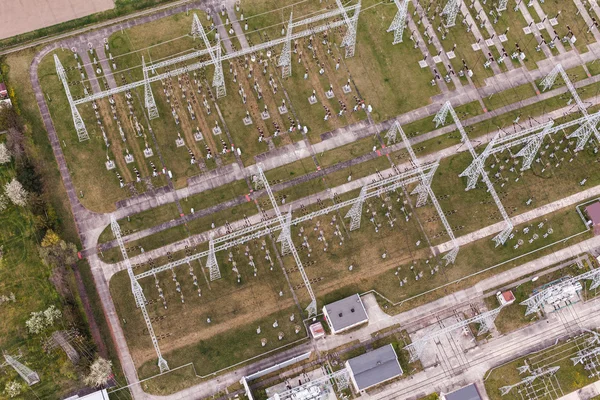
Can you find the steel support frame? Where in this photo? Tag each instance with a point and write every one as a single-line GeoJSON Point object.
{"type": "Point", "coordinates": [486, 320]}
{"type": "Point", "coordinates": [263, 228]}
{"type": "Point", "coordinates": [148, 96]}
{"type": "Point", "coordinates": [477, 169]}
{"type": "Point", "coordinates": [399, 23]}
{"type": "Point", "coordinates": [425, 186]}
{"type": "Point", "coordinates": [138, 294]}
{"type": "Point", "coordinates": [285, 59]}
{"type": "Point", "coordinates": [349, 40]}
{"type": "Point", "coordinates": [284, 223]}
{"type": "Point", "coordinates": [28, 375]}
{"type": "Point", "coordinates": [82, 133]}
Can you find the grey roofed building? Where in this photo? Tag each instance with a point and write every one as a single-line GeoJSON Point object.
{"type": "Point", "coordinates": [345, 314]}
{"type": "Point", "coordinates": [469, 392]}
{"type": "Point", "coordinates": [373, 368]}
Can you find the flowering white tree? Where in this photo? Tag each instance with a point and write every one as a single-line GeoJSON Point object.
{"type": "Point", "coordinates": [15, 192]}
{"type": "Point", "coordinates": [36, 323]}
{"type": "Point", "coordinates": [3, 202]}
{"type": "Point", "coordinates": [52, 314]}
{"type": "Point", "coordinates": [13, 389]}
{"type": "Point", "coordinates": [41, 320]}
{"type": "Point", "coordinates": [100, 371]}
{"type": "Point", "coordinates": [4, 154]}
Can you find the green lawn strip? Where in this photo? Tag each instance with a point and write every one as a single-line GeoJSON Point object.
{"type": "Point", "coordinates": [348, 151]}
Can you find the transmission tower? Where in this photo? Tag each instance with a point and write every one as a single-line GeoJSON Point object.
{"type": "Point", "coordinates": [211, 262]}
{"type": "Point", "coordinates": [451, 11]}
{"type": "Point", "coordinates": [285, 234]}
{"type": "Point", "coordinates": [349, 40]}
{"type": "Point", "coordinates": [529, 380]}
{"type": "Point", "coordinates": [399, 21]}
{"type": "Point", "coordinates": [196, 27]}
{"type": "Point", "coordinates": [215, 56]}
{"type": "Point", "coordinates": [485, 321]}
{"type": "Point", "coordinates": [425, 187]}
{"type": "Point", "coordinates": [285, 59]}
{"type": "Point", "coordinates": [148, 96]}
{"type": "Point", "coordinates": [355, 212]}
{"type": "Point", "coordinates": [24, 372]}
{"type": "Point", "coordinates": [138, 294]}
{"type": "Point", "coordinates": [82, 133]}
{"type": "Point", "coordinates": [583, 355]}
{"type": "Point", "coordinates": [284, 223]}
{"type": "Point", "coordinates": [535, 302]}
{"type": "Point", "coordinates": [476, 169]}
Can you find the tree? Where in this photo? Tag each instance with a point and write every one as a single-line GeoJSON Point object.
{"type": "Point", "coordinates": [52, 314]}
{"type": "Point", "coordinates": [16, 193]}
{"type": "Point", "coordinates": [40, 320]}
{"type": "Point", "coordinates": [4, 154]}
{"type": "Point", "coordinates": [50, 239]}
{"type": "Point", "coordinates": [28, 176]}
{"type": "Point", "coordinates": [59, 254]}
{"type": "Point", "coordinates": [100, 372]}
{"type": "Point", "coordinates": [15, 141]}
{"type": "Point", "coordinates": [13, 389]}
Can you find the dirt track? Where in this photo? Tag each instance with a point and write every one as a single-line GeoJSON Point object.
{"type": "Point", "coordinates": [29, 15]}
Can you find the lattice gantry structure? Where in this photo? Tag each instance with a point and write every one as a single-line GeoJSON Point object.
{"type": "Point", "coordinates": [537, 301]}
{"type": "Point", "coordinates": [211, 262]}
{"type": "Point", "coordinates": [149, 102]}
{"type": "Point", "coordinates": [589, 127]}
{"type": "Point", "coordinates": [285, 59]}
{"type": "Point", "coordinates": [399, 22]}
{"type": "Point", "coordinates": [425, 192]}
{"type": "Point", "coordinates": [485, 321]}
{"type": "Point", "coordinates": [476, 169]}
{"type": "Point", "coordinates": [138, 294]}
{"type": "Point", "coordinates": [318, 388]}
{"type": "Point", "coordinates": [173, 67]}
{"type": "Point", "coordinates": [450, 11]}
{"type": "Point", "coordinates": [29, 376]}
{"type": "Point", "coordinates": [215, 56]}
{"type": "Point", "coordinates": [349, 40]}
{"type": "Point", "coordinates": [284, 223]}
{"type": "Point", "coordinates": [82, 133]}
{"type": "Point", "coordinates": [527, 381]}
{"type": "Point", "coordinates": [287, 245]}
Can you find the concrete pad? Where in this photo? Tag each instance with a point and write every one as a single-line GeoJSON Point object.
{"type": "Point", "coordinates": [27, 15]}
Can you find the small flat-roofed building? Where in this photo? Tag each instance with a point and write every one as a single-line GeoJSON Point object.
{"type": "Point", "coordinates": [374, 368]}
{"type": "Point", "coordinates": [593, 212]}
{"type": "Point", "coordinates": [345, 314]}
{"type": "Point", "coordinates": [99, 395]}
{"type": "Point", "coordinates": [506, 298]}
{"type": "Point", "coordinates": [468, 392]}
{"type": "Point", "coordinates": [317, 330]}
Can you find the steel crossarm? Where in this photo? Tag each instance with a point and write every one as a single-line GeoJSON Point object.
{"type": "Point", "coordinates": [426, 182]}
{"type": "Point", "coordinates": [327, 15]}
{"type": "Point", "coordinates": [513, 139]}
{"type": "Point", "coordinates": [271, 225]}
{"type": "Point", "coordinates": [201, 64]}
{"type": "Point", "coordinates": [502, 236]}
{"type": "Point", "coordinates": [285, 227]}
{"type": "Point", "coordinates": [417, 346]}
{"type": "Point", "coordinates": [185, 57]}
{"type": "Point", "coordinates": [138, 294]}
{"type": "Point", "coordinates": [534, 302]}
{"type": "Point", "coordinates": [585, 353]}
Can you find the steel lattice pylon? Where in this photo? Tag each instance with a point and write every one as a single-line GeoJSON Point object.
{"type": "Point", "coordinates": [399, 22]}
{"type": "Point", "coordinates": [215, 55]}
{"type": "Point", "coordinates": [451, 11]}
{"type": "Point", "coordinates": [285, 236]}
{"type": "Point", "coordinates": [349, 40]}
{"type": "Point", "coordinates": [486, 321]}
{"type": "Point", "coordinates": [425, 187]}
{"type": "Point", "coordinates": [148, 96]}
{"type": "Point", "coordinates": [284, 223]}
{"type": "Point", "coordinates": [476, 169]}
{"type": "Point", "coordinates": [285, 59]}
{"type": "Point", "coordinates": [268, 226]}
{"type": "Point", "coordinates": [312, 30]}
{"type": "Point", "coordinates": [82, 133]}
{"type": "Point", "coordinates": [197, 28]}
{"type": "Point", "coordinates": [535, 301]}
{"type": "Point", "coordinates": [138, 294]}
{"type": "Point", "coordinates": [355, 212]}
{"type": "Point", "coordinates": [582, 355]}
{"type": "Point", "coordinates": [529, 380]}
{"type": "Point", "coordinates": [28, 375]}
{"type": "Point", "coordinates": [211, 262]}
